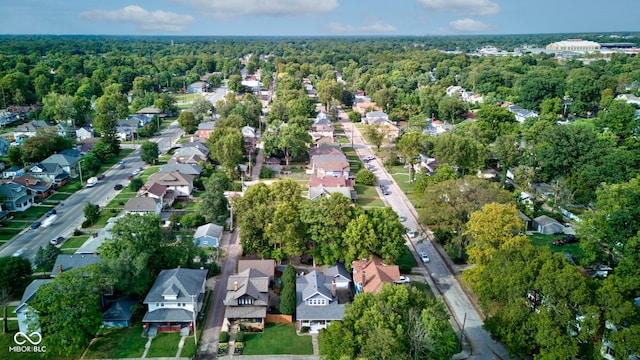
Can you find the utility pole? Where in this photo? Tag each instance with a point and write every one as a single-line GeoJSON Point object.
{"type": "Point", "coordinates": [195, 338]}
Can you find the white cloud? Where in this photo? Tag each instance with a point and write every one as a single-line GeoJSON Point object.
{"type": "Point", "coordinates": [144, 20]}
{"type": "Point", "coordinates": [373, 27]}
{"type": "Point", "coordinates": [469, 26]}
{"type": "Point", "coordinates": [233, 8]}
{"type": "Point", "coordinates": [469, 7]}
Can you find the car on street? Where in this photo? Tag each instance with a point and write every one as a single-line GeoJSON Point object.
{"type": "Point", "coordinates": [424, 257]}
{"type": "Point", "coordinates": [51, 212]}
{"type": "Point", "coordinates": [384, 190]}
{"type": "Point", "coordinates": [101, 177]}
{"type": "Point", "coordinates": [117, 187]}
{"type": "Point", "coordinates": [403, 280]}
{"type": "Point", "coordinates": [403, 218]}
{"type": "Point", "coordinates": [412, 234]}
{"type": "Point", "coordinates": [35, 225]}
{"type": "Point", "coordinates": [135, 172]}
{"type": "Point", "coordinates": [57, 240]}
{"type": "Point", "coordinates": [19, 252]}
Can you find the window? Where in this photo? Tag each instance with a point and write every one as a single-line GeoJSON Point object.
{"type": "Point", "coordinates": [245, 301]}
{"type": "Point", "coordinates": [316, 302]}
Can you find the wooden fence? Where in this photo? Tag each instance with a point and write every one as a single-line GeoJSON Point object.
{"type": "Point", "coordinates": [279, 319]}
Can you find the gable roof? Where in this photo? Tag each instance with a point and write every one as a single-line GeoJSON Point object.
{"type": "Point", "coordinates": [250, 282]}
{"type": "Point", "coordinates": [338, 270]}
{"type": "Point", "coordinates": [180, 282]}
{"type": "Point", "coordinates": [10, 189]}
{"type": "Point", "coordinates": [141, 204]}
{"type": "Point", "coordinates": [375, 272]}
{"type": "Point", "coordinates": [325, 150]}
{"type": "Point", "coordinates": [32, 182]}
{"type": "Point", "coordinates": [119, 310]}
{"type": "Point", "coordinates": [149, 110]}
{"type": "Point", "coordinates": [173, 178]}
{"type": "Point", "coordinates": [155, 189]}
{"type": "Point", "coordinates": [330, 182]}
{"type": "Point", "coordinates": [190, 169]}
{"type": "Point", "coordinates": [209, 230]}
{"type": "Point", "coordinates": [207, 125]}
{"type": "Point", "coordinates": [63, 159]}
{"type": "Point", "coordinates": [546, 220]}
{"type": "Point", "coordinates": [46, 167]}
{"type": "Point", "coordinates": [67, 262]}
{"type": "Point", "coordinates": [265, 266]}
{"type": "Point", "coordinates": [314, 284]}
{"type": "Point", "coordinates": [30, 292]}
{"type": "Point", "coordinates": [320, 190]}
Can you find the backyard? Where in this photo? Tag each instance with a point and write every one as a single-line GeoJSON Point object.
{"type": "Point", "coordinates": [542, 240]}
{"type": "Point", "coordinates": [277, 339]}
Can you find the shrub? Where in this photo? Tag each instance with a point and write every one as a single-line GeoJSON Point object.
{"type": "Point", "coordinates": [365, 177]}
{"type": "Point", "coordinates": [178, 205]}
{"type": "Point", "coordinates": [239, 336]}
{"type": "Point", "coordinates": [214, 269]}
{"type": "Point", "coordinates": [266, 173]}
{"type": "Point", "coordinates": [77, 232]}
{"type": "Point", "coordinates": [224, 337]}
{"type": "Point", "coordinates": [305, 329]}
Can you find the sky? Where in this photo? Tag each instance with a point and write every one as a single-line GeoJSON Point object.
{"type": "Point", "coordinates": [316, 17]}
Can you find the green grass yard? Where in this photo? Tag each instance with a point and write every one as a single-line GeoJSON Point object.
{"type": "Point", "coordinates": [164, 345]}
{"type": "Point", "coordinates": [118, 344]}
{"type": "Point", "coordinates": [277, 339]}
{"type": "Point", "coordinates": [541, 240]}
{"type": "Point", "coordinates": [370, 202]}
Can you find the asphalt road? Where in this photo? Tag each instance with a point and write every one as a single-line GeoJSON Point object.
{"type": "Point", "coordinates": [459, 304]}
{"type": "Point", "coordinates": [70, 213]}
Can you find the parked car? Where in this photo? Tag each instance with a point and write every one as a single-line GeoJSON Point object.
{"type": "Point", "coordinates": [413, 234]}
{"type": "Point", "coordinates": [51, 212]}
{"type": "Point", "coordinates": [403, 280]}
{"type": "Point", "coordinates": [35, 225]}
{"type": "Point", "coordinates": [403, 218]}
{"type": "Point", "coordinates": [101, 177]}
{"type": "Point", "coordinates": [19, 252]}
{"type": "Point", "coordinates": [117, 187]}
{"type": "Point", "coordinates": [424, 257]}
{"type": "Point", "coordinates": [569, 238]}
{"type": "Point", "coordinates": [57, 240]}
{"type": "Point", "coordinates": [384, 190]}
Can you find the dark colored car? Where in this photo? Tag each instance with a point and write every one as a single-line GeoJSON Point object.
{"type": "Point", "coordinates": [51, 212]}
{"type": "Point", "coordinates": [35, 225]}
{"type": "Point", "coordinates": [101, 177]}
{"type": "Point", "coordinates": [570, 238]}
{"type": "Point", "coordinates": [117, 187]}
{"type": "Point", "coordinates": [384, 190]}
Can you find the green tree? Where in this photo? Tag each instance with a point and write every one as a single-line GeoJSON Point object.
{"type": "Point", "coordinates": [410, 146]}
{"type": "Point", "coordinates": [149, 152]}
{"type": "Point", "coordinates": [235, 83]}
{"type": "Point", "coordinates": [91, 213]}
{"type": "Point", "coordinates": [213, 204]}
{"type": "Point", "coordinates": [111, 106]}
{"type": "Point", "coordinates": [135, 184]}
{"type": "Point", "coordinates": [442, 173]}
{"type": "Point", "coordinates": [496, 121]}
{"type": "Point", "coordinates": [68, 310]}
{"type": "Point", "coordinates": [452, 109]}
{"type": "Point", "coordinates": [325, 219]}
{"type": "Point", "coordinates": [291, 140]}
{"type": "Point", "coordinates": [375, 231]}
{"type": "Point", "coordinates": [374, 135]}
{"type": "Point", "coordinates": [396, 323]}
{"type": "Point", "coordinates": [449, 204]}
{"type": "Point", "coordinates": [200, 107]}
{"type": "Point", "coordinates": [15, 274]}
{"type": "Point", "coordinates": [288, 291]}
{"type": "Point", "coordinates": [226, 146]}
{"type": "Point", "coordinates": [57, 107]}
{"type": "Point", "coordinates": [46, 257]}
{"type": "Point", "coordinates": [505, 149]}
{"type": "Point", "coordinates": [15, 156]}
{"type": "Point", "coordinates": [365, 177]}
{"type": "Point", "coordinates": [459, 151]}
{"type": "Point", "coordinates": [328, 90]}
{"type": "Point", "coordinates": [188, 122]}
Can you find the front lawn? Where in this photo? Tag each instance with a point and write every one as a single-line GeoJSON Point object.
{"type": "Point", "coordinates": [364, 190]}
{"type": "Point", "coordinates": [74, 242]}
{"type": "Point", "coordinates": [118, 344]}
{"type": "Point", "coordinates": [277, 339]}
{"type": "Point", "coordinates": [164, 345]}
{"type": "Point", "coordinates": [370, 202]}
{"type": "Point", "coordinates": [32, 213]}
{"type": "Point", "coordinates": [8, 234]}
{"type": "Point", "coordinates": [59, 196]}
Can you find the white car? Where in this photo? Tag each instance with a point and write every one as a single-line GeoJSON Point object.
{"type": "Point", "coordinates": [412, 234]}
{"type": "Point", "coordinates": [403, 280]}
{"type": "Point", "coordinates": [424, 257]}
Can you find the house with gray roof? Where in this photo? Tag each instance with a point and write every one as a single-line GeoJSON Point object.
{"type": "Point", "coordinates": [29, 129]}
{"type": "Point", "coordinates": [84, 133]}
{"type": "Point", "coordinates": [118, 314]}
{"type": "Point", "coordinates": [67, 159]}
{"type": "Point", "coordinates": [12, 172]}
{"type": "Point", "coordinates": [49, 171]}
{"type": "Point", "coordinates": [193, 148]}
{"type": "Point", "coordinates": [15, 197]}
{"type": "Point", "coordinates": [175, 299]}
{"type": "Point", "coordinates": [265, 266]}
{"type": "Point", "coordinates": [247, 299]}
{"type": "Point", "coordinates": [143, 205]}
{"type": "Point", "coordinates": [546, 225]}
{"type": "Point", "coordinates": [65, 262]}
{"type": "Point", "coordinates": [189, 169]}
{"type": "Point", "coordinates": [208, 235]}
{"type": "Point", "coordinates": [521, 113]}
{"type": "Point", "coordinates": [317, 301]}
{"type": "Point", "coordinates": [25, 313]}
{"type": "Point", "coordinates": [92, 245]}
{"type": "Point", "coordinates": [340, 275]}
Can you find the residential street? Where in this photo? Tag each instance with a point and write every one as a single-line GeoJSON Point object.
{"type": "Point", "coordinates": [462, 308]}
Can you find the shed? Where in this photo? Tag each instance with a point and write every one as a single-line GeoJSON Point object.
{"type": "Point", "coordinates": [546, 225]}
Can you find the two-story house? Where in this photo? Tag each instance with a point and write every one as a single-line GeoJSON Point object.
{"type": "Point", "coordinates": [175, 299]}
{"type": "Point", "coordinates": [328, 185]}
{"type": "Point", "coordinates": [330, 165]}
{"type": "Point", "coordinates": [29, 129]}
{"type": "Point", "coordinates": [50, 172]}
{"type": "Point", "coordinates": [143, 205]}
{"type": "Point", "coordinates": [37, 187]}
{"type": "Point", "coordinates": [181, 184]}
{"type": "Point", "coordinates": [15, 197]}
{"type": "Point", "coordinates": [319, 300]}
{"type": "Point", "coordinates": [205, 129]}
{"type": "Point", "coordinates": [370, 274]}
{"type": "Point", "coordinates": [67, 159]}
{"type": "Point", "coordinates": [247, 299]}
{"type": "Point", "coordinates": [165, 196]}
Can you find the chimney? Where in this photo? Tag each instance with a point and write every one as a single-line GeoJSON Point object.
{"type": "Point", "coordinates": [363, 279]}
{"type": "Point", "coordinates": [235, 286]}
{"type": "Point", "coordinates": [333, 288]}
{"type": "Point", "coordinates": [59, 268]}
